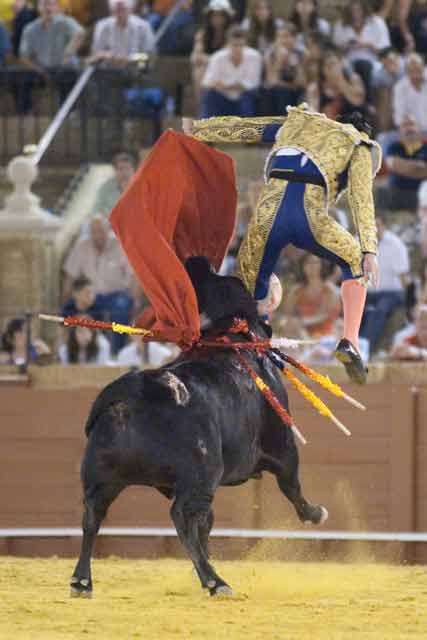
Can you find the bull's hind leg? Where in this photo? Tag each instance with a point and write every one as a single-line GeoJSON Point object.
{"type": "Point", "coordinates": [205, 528]}
{"type": "Point", "coordinates": [96, 500]}
{"type": "Point", "coordinates": [192, 514]}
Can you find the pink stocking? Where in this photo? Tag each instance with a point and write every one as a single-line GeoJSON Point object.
{"type": "Point", "coordinates": [353, 294]}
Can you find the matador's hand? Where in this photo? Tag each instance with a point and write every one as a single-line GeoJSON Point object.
{"type": "Point", "coordinates": [370, 270]}
{"type": "Point", "coordinates": [187, 126]}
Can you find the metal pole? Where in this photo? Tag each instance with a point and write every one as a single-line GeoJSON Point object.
{"type": "Point", "coordinates": [166, 22]}
{"type": "Point", "coordinates": [63, 112]}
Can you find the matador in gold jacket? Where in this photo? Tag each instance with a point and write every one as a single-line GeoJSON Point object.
{"type": "Point", "coordinates": [314, 160]}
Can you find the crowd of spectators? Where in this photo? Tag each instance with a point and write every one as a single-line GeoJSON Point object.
{"type": "Point", "coordinates": [247, 59]}
{"type": "Point", "coordinates": [365, 58]}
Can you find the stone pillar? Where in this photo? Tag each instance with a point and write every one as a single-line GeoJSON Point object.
{"type": "Point", "coordinates": [27, 261]}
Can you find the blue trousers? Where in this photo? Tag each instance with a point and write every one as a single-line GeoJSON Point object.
{"type": "Point", "coordinates": [117, 307]}
{"type": "Point", "coordinates": [215, 103]}
{"type": "Point", "coordinates": [291, 227]}
{"type": "Point", "coordinates": [380, 305]}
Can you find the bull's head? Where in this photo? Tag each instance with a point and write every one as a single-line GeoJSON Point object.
{"type": "Point", "coordinates": [220, 298]}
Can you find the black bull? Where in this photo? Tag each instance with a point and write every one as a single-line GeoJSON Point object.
{"type": "Point", "coordinates": [188, 428]}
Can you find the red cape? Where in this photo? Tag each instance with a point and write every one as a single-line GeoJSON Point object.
{"type": "Point", "coordinates": [180, 203]}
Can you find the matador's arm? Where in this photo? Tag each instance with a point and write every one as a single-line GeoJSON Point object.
{"type": "Point", "coordinates": [361, 198]}
{"type": "Point", "coordinates": [235, 129]}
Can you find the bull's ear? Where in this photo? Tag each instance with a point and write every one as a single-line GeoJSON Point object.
{"type": "Point", "coordinates": [198, 268]}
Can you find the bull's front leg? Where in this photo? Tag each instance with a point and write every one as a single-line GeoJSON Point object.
{"type": "Point", "coordinates": [286, 472]}
{"type": "Point", "coordinates": [290, 487]}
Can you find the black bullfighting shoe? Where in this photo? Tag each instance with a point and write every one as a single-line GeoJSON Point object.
{"type": "Point", "coordinates": [347, 353]}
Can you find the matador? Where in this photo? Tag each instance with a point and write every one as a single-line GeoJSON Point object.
{"type": "Point", "coordinates": [313, 162]}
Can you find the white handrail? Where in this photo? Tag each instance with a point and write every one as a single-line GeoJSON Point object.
{"type": "Point", "coordinates": [63, 112]}
{"type": "Point", "coordinates": [166, 532]}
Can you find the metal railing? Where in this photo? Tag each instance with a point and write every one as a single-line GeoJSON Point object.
{"type": "Point", "coordinates": [109, 111]}
{"type": "Point", "coordinates": [86, 101]}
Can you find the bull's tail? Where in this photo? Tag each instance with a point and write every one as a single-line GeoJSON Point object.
{"type": "Point", "coordinates": [160, 386]}
{"type": "Point", "coordinates": [117, 391]}
{"type": "Point", "coordinates": [166, 386]}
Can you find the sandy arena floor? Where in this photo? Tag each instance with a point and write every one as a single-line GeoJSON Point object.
{"type": "Point", "coordinates": [158, 600]}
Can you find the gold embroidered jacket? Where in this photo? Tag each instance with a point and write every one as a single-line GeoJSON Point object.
{"type": "Point", "coordinates": [334, 147]}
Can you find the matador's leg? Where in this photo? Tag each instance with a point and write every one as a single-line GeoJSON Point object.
{"type": "Point", "coordinates": [336, 244]}
{"type": "Point", "coordinates": [267, 234]}
{"type": "Point", "coordinates": [296, 212]}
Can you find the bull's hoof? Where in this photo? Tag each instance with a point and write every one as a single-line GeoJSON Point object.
{"type": "Point", "coordinates": [220, 589]}
{"type": "Point", "coordinates": [324, 516]}
{"type": "Point", "coordinates": [80, 587]}
{"type": "Point", "coordinates": [319, 515]}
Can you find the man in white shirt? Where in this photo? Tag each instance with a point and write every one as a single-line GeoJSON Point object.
{"type": "Point", "coordinates": [100, 258]}
{"type": "Point", "coordinates": [365, 44]}
{"type": "Point", "coordinates": [122, 35]}
{"type": "Point", "coordinates": [231, 79]}
{"type": "Point", "coordinates": [393, 262]}
{"type": "Point", "coordinates": [48, 51]}
{"type": "Point", "coordinates": [117, 39]}
{"type": "Point", "coordinates": [410, 93]}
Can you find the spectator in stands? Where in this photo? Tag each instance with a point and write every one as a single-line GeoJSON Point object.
{"type": "Point", "coordinates": [5, 46]}
{"type": "Point", "coordinates": [110, 190]}
{"type": "Point", "coordinates": [360, 35]}
{"type": "Point", "coordinates": [385, 76]}
{"type": "Point", "coordinates": [261, 26]}
{"type": "Point", "coordinates": [339, 90]}
{"type": "Point", "coordinates": [305, 17]}
{"type": "Point", "coordinates": [411, 343]}
{"type": "Point", "coordinates": [314, 302]}
{"type": "Point", "coordinates": [410, 94]}
{"type": "Point", "coordinates": [406, 161]}
{"type": "Point", "coordinates": [15, 344]}
{"type": "Point", "coordinates": [178, 39]}
{"type": "Point", "coordinates": [84, 346]}
{"type": "Point", "coordinates": [396, 13]}
{"type": "Point", "coordinates": [23, 15]}
{"type": "Point", "coordinates": [48, 50]}
{"type": "Point", "coordinates": [381, 303]}
{"type": "Point", "coordinates": [83, 300]}
{"type": "Point", "coordinates": [210, 38]}
{"type": "Point", "coordinates": [232, 77]}
{"type": "Point", "coordinates": [408, 24]}
{"type": "Point", "coordinates": [118, 41]}
{"type": "Point", "coordinates": [284, 82]}
{"type": "Point", "coordinates": [122, 35]}
{"type": "Point", "coordinates": [144, 354]}
{"type": "Point", "coordinates": [100, 258]}
{"type": "Point", "coordinates": [316, 45]}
